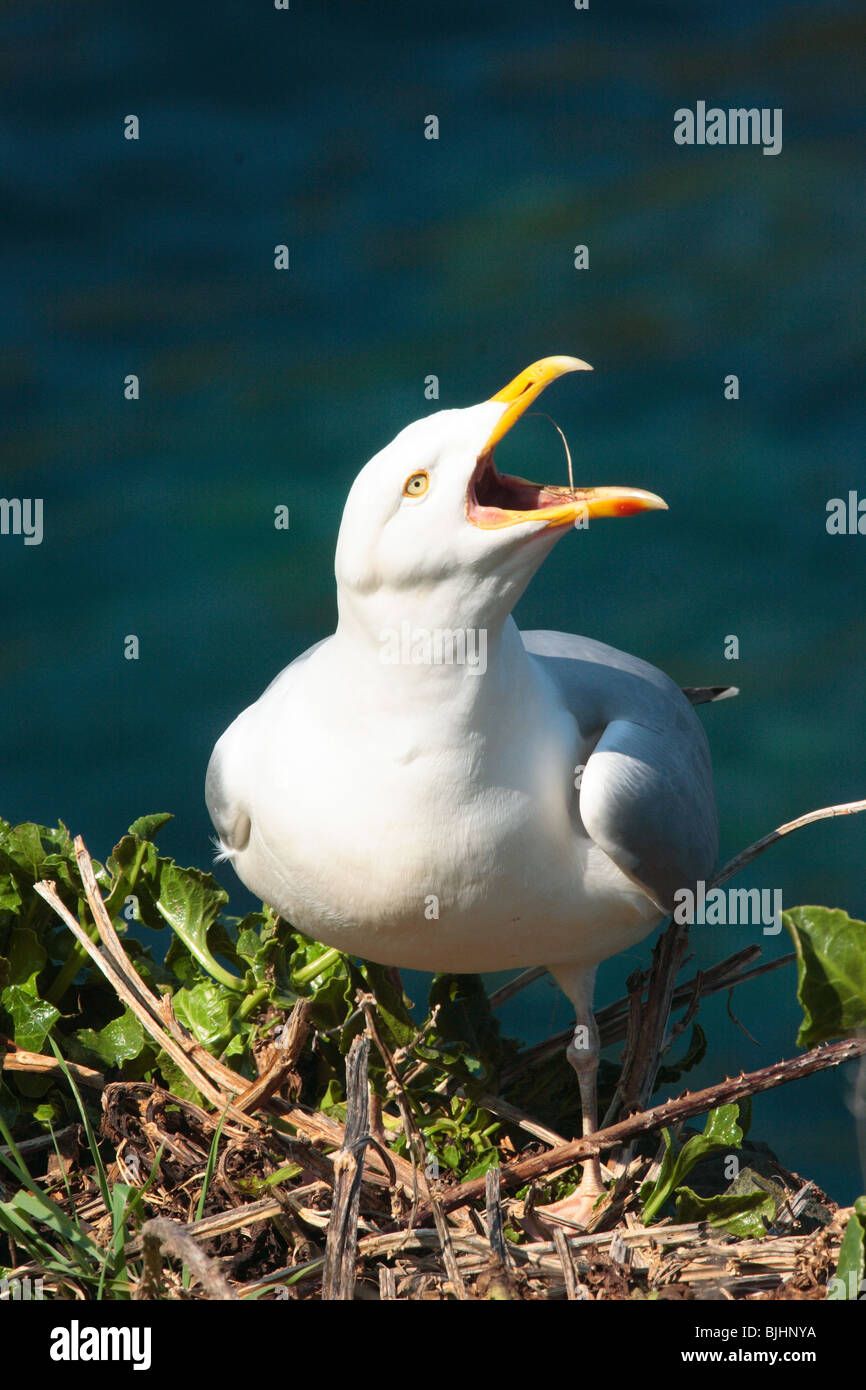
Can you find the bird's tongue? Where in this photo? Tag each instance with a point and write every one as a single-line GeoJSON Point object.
{"type": "Point", "coordinates": [493, 495]}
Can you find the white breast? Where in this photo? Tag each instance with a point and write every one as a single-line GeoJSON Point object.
{"type": "Point", "coordinates": [422, 845]}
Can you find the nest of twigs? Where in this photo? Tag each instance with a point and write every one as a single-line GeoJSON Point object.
{"type": "Point", "coordinates": [262, 1197]}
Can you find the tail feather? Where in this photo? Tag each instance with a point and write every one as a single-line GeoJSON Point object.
{"type": "Point", "coordinates": [705, 694]}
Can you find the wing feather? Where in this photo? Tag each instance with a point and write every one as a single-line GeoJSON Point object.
{"type": "Point", "coordinates": [646, 793]}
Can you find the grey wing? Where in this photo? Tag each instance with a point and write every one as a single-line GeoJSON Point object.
{"type": "Point", "coordinates": [646, 792]}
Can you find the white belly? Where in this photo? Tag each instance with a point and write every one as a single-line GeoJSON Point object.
{"type": "Point", "coordinates": [465, 857]}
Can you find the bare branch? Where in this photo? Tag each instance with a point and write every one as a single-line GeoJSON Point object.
{"type": "Point", "coordinates": [341, 1250]}
{"type": "Point", "coordinates": [739, 861]}
{"type": "Point", "coordinates": [683, 1107]}
{"type": "Point", "coordinates": [162, 1234]}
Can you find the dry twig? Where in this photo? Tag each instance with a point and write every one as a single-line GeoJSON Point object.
{"type": "Point", "coordinates": [338, 1280]}
{"type": "Point", "coordinates": [683, 1107]}
{"type": "Point", "coordinates": [161, 1234]}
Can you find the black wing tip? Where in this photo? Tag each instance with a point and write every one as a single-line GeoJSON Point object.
{"type": "Point", "coordinates": [707, 694]}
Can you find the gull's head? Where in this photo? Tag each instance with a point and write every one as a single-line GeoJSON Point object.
{"type": "Point", "coordinates": [433, 532]}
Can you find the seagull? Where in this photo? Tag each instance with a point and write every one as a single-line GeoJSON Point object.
{"type": "Point", "coordinates": [432, 788]}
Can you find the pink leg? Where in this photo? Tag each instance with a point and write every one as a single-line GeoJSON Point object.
{"type": "Point", "coordinates": [583, 1054]}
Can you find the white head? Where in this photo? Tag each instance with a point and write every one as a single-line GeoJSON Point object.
{"type": "Point", "coordinates": [434, 534]}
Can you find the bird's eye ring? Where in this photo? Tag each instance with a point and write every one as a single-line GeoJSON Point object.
{"type": "Point", "coordinates": [416, 485]}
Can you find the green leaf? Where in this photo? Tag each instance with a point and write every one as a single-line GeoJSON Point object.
{"type": "Point", "coordinates": [399, 1027]}
{"type": "Point", "coordinates": [479, 1170]}
{"type": "Point", "coordinates": [831, 972]}
{"type": "Point", "coordinates": [331, 991]}
{"type": "Point", "coordinates": [118, 1042]}
{"type": "Point", "coordinates": [191, 901]}
{"type": "Point", "coordinates": [50, 1111]}
{"type": "Point", "coordinates": [208, 1012]}
{"type": "Point", "coordinates": [145, 827]}
{"type": "Point", "coordinates": [851, 1267]}
{"type": "Point", "coordinates": [467, 1030]}
{"type": "Point", "coordinates": [177, 1081]}
{"type": "Point", "coordinates": [10, 898]}
{"type": "Point", "coordinates": [725, 1129]}
{"type": "Point", "coordinates": [249, 947]}
{"type": "Point", "coordinates": [23, 845]}
{"type": "Point", "coordinates": [33, 1017]}
{"type": "Point", "coordinates": [744, 1214]}
{"type": "Point", "coordinates": [26, 958]}
{"type": "Point", "coordinates": [43, 1210]}
{"type": "Point", "coordinates": [133, 866]}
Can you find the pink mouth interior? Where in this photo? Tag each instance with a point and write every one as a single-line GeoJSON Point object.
{"type": "Point", "coordinates": [491, 493]}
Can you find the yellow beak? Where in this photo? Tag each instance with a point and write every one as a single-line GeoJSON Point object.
{"type": "Point", "coordinates": [560, 505]}
{"type": "Point", "coordinates": [522, 391]}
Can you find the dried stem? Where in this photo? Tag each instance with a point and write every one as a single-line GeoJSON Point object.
{"type": "Point", "coordinates": [739, 861]}
{"type": "Point", "coordinates": [415, 1142]}
{"type": "Point", "coordinates": [341, 1250]}
{"type": "Point", "coordinates": [683, 1107]}
{"type": "Point", "coordinates": [641, 1063]}
{"type": "Point", "coordinates": [129, 994]}
{"type": "Point", "coordinates": [162, 1234]}
{"type": "Point", "coordinates": [613, 1019]}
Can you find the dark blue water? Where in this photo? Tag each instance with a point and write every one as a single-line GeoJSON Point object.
{"type": "Point", "coordinates": [453, 257]}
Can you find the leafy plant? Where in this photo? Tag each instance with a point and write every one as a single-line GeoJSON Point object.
{"type": "Point", "coordinates": [231, 982]}
{"type": "Point", "coordinates": [851, 1267]}
{"type": "Point", "coordinates": [831, 972]}
{"type": "Point", "coordinates": [725, 1130]}
{"type": "Point", "coordinates": [744, 1214]}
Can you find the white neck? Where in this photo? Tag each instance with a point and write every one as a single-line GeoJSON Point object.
{"type": "Point", "coordinates": [405, 669]}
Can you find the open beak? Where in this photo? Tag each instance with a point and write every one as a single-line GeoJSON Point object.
{"type": "Point", "coordinates": [495, 499]}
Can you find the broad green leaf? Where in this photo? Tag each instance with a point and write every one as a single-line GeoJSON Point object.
{"type": "Point", "coordinates": [333, 1102]}
{"type": "Point", "coordinates": [467, 1040]}
{"type": "Point", "coordinates": [23, 844]}
{"type": "Point", "coordinates": [332, 990]}
{"type": "Point", "coordinates": [851, 1267]}
{"type": "Point", "coordinates": [29, 852]}
{"type": "Point", "coordinates": [33, 1017]}
{"type": "Point", "coordinates": [133, 866]}
{"type": "Point", "coordinates": [177, 1081]}
{"type": "Point", "coordinates": [831, 972]}
{"type": "Point", "coordinates": [51, 1111]}
{"type": "Point", "coordinates": [147, 826]}
{"type": "Point", "coordinates": [118, 1042]}
{"type": "Point", "coordinates": [26, 958]}
{"type": "Point", "coordinates": [744, 1214]}
{"type": "Point", "coordinates": [249, 947]}
{"type": "Point", "coordinates": [208, 1012]}
{"type": "Point", "coordinates": [391, 1006]}
{"type": "Point", "coordinates": [478, 1170]}
{"type": "Point", "coordinates": [10, 898]}
{"type": "Point", "coordinates": [190, 901]}
{"type": "Point", "coordinates": [725, 1129]}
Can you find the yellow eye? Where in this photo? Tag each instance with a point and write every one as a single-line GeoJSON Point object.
{"type": "Point", "coordinates": [416, 485]}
